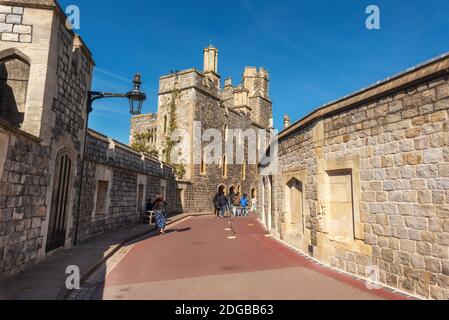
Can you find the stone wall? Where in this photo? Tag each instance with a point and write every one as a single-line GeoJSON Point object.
{"type": "Point", "coordinates": [46, 151]}
{"type": "Point", "coordinates": [12, 27]}
{"type": "Point", "coordinates": [24, 178]}
{"type": "Point", "coordinates": [199, 101]}
{"type": "Point", "coordinates": [212, 115]}
{"type": "Point", "coordinates": [128, 169]}
{"type": "Point", "coordinates": [146, 123]}
{"type": "Point", "coordinates": [392, 141]}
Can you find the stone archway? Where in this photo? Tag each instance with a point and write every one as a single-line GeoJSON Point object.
{"type": "Point", "coordinates": [253, 193]}
{"type": "Point", "coordinates": [222, 188]}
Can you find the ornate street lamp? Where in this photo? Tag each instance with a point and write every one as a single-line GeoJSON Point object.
{"type": "Point", "coordinates": [135, 97]}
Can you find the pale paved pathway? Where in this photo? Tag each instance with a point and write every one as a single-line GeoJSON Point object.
{"type": "Point", "coordinates": [198, 261]}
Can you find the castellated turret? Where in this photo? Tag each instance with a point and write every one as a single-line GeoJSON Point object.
{"type": "Point", "coordinates": [211, 65]}
{"type": "Point", "coordinates": [256, 82]}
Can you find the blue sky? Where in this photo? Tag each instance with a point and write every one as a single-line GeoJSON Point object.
{"type": "Point", "coordinates": [315, 50]}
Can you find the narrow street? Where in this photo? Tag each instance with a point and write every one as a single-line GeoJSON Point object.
{"type": "Point", "coordinates": [197, 260]}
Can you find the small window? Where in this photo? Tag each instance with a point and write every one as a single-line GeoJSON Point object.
{"type": "Point", "coordinates": [165, 124]}
{"type": "Point", "coordinates": [141, 198]}
{"type": "Point", "coordinates": [203, 169]}
{"type": "Point", "coordinates": [225, 167]}
{"type": "Point", "coordinates": [226, 133]}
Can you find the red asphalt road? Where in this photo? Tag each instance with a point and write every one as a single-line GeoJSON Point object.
{"type": "Point", "coordinates": [200, 258]}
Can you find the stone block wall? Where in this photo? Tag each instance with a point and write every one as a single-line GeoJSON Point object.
{"type": "Point", "coordinates": [54, 127]}
{"type": "Point", "coordinates": [393, 139]}
{"type": "Point", "coordinates": [128, 169]}
{"type": "Point", "coordinates": [12, 28]}
{"type": "Point", "coordinates": [24, 180]}
{"type": "Point", "coordinates": [143, 124]}
{"type": "Point", "coordinates": [212, 115]}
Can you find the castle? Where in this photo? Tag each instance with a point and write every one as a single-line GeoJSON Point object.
{"type": "Point", "coordinates": [192, 98]}
{"type": "Point", "coordinates": [362, 183]}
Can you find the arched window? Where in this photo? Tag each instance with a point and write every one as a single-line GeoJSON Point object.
{"type": "Point", "coordinates": [225, 167]}
{"type": "Point", "coordinates": [14, 77]}
{"type": "Point", "coordinates": [253, 193]}
{"type": "Point", "coordinates": [203, 169]}
{"type": "Point", "coordinates": [226, 132]}
{"type": "Point", "coordinates": [165, 124]}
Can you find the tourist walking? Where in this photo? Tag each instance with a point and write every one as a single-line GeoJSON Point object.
{"type": "Point", "coordinates": [221, 202]}
{"type": "Point", "coordinates": [231, 202]}
{"type": "Point", "coordinates": [254, 205]}
{"type": "Point", "coordinates": [244, 205]}
{"type": "Point", "coordinates": [161, 219]}
{"type": "Point", "coordinates": [237, 204]}
{"type": "Point", "coordinates": [216, 205]}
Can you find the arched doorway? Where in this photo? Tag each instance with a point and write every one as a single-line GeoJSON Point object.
{"type": "Point", "coordinates": [253, 193]}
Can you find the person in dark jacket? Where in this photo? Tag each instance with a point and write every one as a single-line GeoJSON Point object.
{"type": "Point", "coordinates": [216, 205]}
{"type": "Point", "coordinates": [149, 205]}
{"type": "Point", "coordinates": [221, 202]}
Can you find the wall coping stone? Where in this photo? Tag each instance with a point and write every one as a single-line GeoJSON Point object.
{"type": "Point", "coordinates": [96, 135]}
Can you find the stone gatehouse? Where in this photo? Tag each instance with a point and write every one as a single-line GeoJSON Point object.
{"type": "Point", "coordinates": [191, 96]}
{"type": "Point", "coordinates": [364, 182]}
{"type": "Point", "coordinates": [45, 76]}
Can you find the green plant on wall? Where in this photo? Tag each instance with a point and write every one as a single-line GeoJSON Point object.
{"type": "Point", "coordinates": [141, 143]}
{"type": "Point", "coordinates": [170, 142]}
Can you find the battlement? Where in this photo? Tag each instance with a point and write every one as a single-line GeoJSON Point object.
{"type": "Point", "coordinates": [256, 81]}
{"type": "Point", "coordinates": [254, 72]}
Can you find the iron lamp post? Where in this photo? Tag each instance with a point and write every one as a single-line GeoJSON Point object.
{"type": "Point", "coordinates": [136, 98]}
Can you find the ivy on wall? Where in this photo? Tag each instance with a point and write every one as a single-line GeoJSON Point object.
{"type": "Point", "coordinates": [171, 142]}
{"type": "Point", "coordinates": [141, 143]}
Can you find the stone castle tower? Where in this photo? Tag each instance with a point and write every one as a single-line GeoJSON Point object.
{"type": "Point", "coordinates": [190, 97]}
